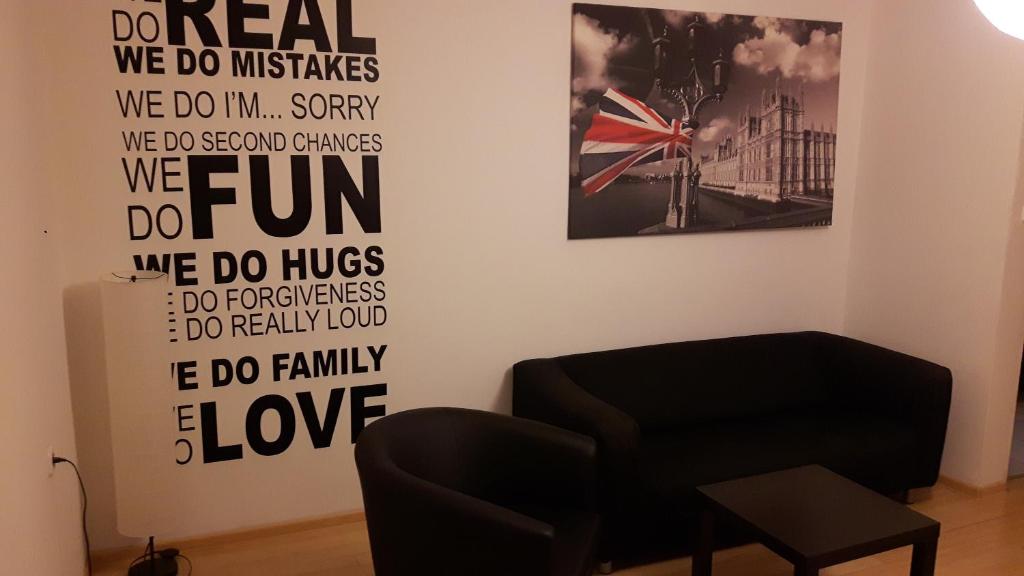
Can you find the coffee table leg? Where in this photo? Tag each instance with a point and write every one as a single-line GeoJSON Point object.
{"type": "Point", "coordinates": [923, 562]}
{"type": "Point", "coordinates": [804, 570]}
{"type": "Point", "coordinates": [705, 544]}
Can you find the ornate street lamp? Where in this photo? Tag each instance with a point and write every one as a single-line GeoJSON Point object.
{"type": "Point", "coordinates": [720, 73]}
{"type": "Point", "coordinates": [685, 86]}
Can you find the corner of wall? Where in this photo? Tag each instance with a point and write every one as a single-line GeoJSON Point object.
{"type": "Point", "coordinates": [40, 525]}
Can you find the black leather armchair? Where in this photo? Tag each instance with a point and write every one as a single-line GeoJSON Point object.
{"type": "Point", "coordinates": [460, 492]}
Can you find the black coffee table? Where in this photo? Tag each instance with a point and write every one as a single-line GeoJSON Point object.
{"type": "Point", "coordinates": [814, 518]}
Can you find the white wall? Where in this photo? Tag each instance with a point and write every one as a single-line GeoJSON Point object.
{"type": "Point", "coordinates": [40, 526]}
{"type": "Point", "coordinates": [935, 265]}
{"type": "Point", "coordinates": [496, 281]}
{"type": "Point", "coordinates": [481, 275]}
{"type": "Point", "coordinates": [926, 260]}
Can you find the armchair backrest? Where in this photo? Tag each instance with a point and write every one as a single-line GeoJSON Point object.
{"type": "Point", "coordinates": [419, 443]}
{"type": "Point", "coordinates": [468, 451]}
{"type": "Point", "coordinates": [452, 489]}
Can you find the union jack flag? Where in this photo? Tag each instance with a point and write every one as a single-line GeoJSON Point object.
{"type": "Point", "coordinates": [625, 133]}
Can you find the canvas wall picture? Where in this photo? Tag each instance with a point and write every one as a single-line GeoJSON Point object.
{"type": "Point", "coordinates": [688, 122]}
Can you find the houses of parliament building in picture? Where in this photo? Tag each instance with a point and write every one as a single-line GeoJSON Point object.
{"type": "Point", "coordinates": [772, 155]}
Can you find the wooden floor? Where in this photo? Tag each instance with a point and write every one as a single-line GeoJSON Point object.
{"type": "Point", "coordinates": [981, 535]}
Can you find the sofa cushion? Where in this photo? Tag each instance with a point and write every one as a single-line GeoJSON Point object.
{"type": "Point", "coordinates": [674, 386]}
{"type": "Point", "coordinates": [867, 449]}
{"type": "Point", "coordinates": [877, 451]}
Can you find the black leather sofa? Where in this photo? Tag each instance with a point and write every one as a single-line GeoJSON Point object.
{"type": "Point", "coordinates": [468, 493]}
{"type": "Point", "coordinates": [671, 417]}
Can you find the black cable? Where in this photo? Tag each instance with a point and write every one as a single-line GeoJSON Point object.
{"type": "Point", "coordinates": [135, 278]}
{"type": "Point", "coordinates": [150, 552]}
{"type": "Point", "coordinates": [185, 558]}
{"type": "Point", "coordinates": [85, 509]}
{"type": "Point", "coordinates": [138, 560]}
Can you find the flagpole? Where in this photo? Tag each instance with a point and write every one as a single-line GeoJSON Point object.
{"type": "Point", "coordinates": [691, 93]}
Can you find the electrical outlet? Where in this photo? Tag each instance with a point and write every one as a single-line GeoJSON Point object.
{"type": "Point", "coordinates": [49, 458]}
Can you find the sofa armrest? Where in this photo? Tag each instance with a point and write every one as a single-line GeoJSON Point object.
{"type": "Point", "coordinates": [897, 385]}
{"type": "Point", "coordinates": [542, 391]}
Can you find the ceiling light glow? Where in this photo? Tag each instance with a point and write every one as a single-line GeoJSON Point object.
{"type": "Point", "coordinates": [1007, 15]}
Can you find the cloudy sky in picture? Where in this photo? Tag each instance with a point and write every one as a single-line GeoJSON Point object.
{"type": "Point", "coordinates": [612, 48]}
